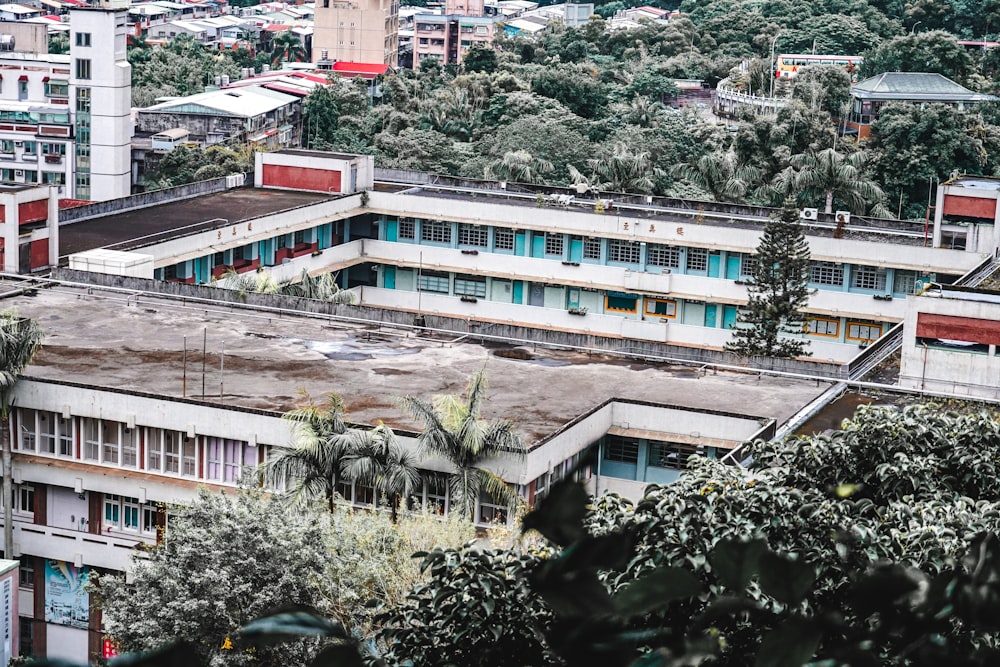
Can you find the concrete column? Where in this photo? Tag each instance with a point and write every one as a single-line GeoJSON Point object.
{"type": "Point", "coordinates": [938, 214]}
{"type": "Point", "coordinates": [11, 224]}
{"type": "Point", "coordinates": [53, 226]}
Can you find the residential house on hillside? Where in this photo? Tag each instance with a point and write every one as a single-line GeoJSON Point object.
{"type": "Point", "coordinates": [870, 95]}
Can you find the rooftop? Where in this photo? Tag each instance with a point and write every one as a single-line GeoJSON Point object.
{"type": "Point", "coordinates": [185, 216]}
{"type": "Point", "coordinates": [244, 102]}
{"type": "Point", "coordinates": [121, 341]}
{"type": "Point", "coordinates": [924, 86]}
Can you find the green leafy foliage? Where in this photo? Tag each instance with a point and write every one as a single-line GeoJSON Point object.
{"type": "Point", "coordinates": [769, 324]}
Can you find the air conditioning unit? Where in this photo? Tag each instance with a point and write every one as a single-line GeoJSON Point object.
{"type": "Point", "coordinates": [19, 173]}
{"type": "Point", "coordinates": [809, 213]}
{"type": "Point", "coordinates": [19, 143]}
{"type": "Point", "coordinates": [843, 217]}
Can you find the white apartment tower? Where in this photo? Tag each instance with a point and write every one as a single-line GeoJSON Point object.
{"type": "Point", "coordinates": [101, 100]}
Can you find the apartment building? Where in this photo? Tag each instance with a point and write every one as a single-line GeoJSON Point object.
{"type": "Point", "coordinates": [446, 37]}
{"type": "Point", "coordinates": [361, 31]}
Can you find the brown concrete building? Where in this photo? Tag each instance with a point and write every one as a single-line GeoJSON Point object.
{"type": "Point", "coordinates": [361, 31]}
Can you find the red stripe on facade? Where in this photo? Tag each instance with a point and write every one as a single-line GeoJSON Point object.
{"type": "Point", "coordinates": [965, 329]}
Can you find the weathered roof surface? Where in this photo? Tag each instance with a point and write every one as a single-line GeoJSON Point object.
{"type": "Point", "coordinates": [922, 86]}
{"type": "Point", "coordinates": [243, 102]}
{"type": "Point", "coordinates": [193, 214]}
{"type": "Point", "coordinates": [98, 337]}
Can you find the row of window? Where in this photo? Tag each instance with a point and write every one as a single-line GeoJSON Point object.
{"type": "Point", "coordinates": [143, 448]}
{"type": "Point", "coordinates": [673, 455]}
{"type": "Point", "coordinates": [861, 332]}
{"type": "Point", "coordinates": [621, 251]}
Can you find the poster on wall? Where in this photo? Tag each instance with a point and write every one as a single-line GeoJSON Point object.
{"type": "Point", "coordinates": [66, 598]}
{"type": "Point", "coordinates": [7, 619]}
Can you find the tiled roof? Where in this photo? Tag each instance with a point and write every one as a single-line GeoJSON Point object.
{"type": "Point", "coordinates": [922, 86]}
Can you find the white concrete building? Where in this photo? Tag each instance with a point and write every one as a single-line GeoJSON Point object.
{"type": "Point", "coordinates": [101, 101]}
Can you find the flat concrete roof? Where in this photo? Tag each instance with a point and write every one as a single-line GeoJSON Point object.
{"type": "Point", "coordinates": [183, 217]}
{"type": "Point", "coordinates": [105, 338]}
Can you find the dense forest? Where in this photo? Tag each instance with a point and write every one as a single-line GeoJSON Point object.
{"type": "Point", "coordinates": [600, 105]}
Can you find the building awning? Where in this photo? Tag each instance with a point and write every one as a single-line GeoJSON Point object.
{"type": "Point", "coordinates": [45, 79]}
{"type": "Point", "coordinates": [23, 77]}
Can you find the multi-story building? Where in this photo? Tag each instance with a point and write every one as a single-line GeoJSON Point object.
{"type": "Point", "coordinates": [64, 119]}
{"type": "Point", "coordinates": [652, 272]}
{"type": "Point", "coordinates": [446, 37]}
{"type": "Point", "coordinates": [103, 447]}
{"type": "Point", "coordinates": [362, 31]}
{"type": "Point", "coordinates": [101, 101]}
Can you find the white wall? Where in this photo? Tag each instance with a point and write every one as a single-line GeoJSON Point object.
{"type": "Point", "coordinates": [66, 509]}
{"type": "Point", "coordinates": [65, 643]}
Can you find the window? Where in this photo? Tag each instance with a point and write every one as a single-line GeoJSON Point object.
{"type": "Point", "coordinates": [863, 331]}
{"type": "Point", "coordinates": [129, 514]}
{"type": "Point", "coordinates": [868, 277]}
{"type": "Point", "coordinates": [171, 451]}
{"type": "Point", "coordinates": [91, 439]}
{"type": "Point", "coordinates": [46, 433]}
{"type": "Point", "coordinates": [748, 265]}
{"type": "Point", "coordinates": [6, 145]}
{"type": "Point", "coordinates": [57, 89]}
{"type": "Point", "coordinates": [83, 97]}
{"type": "Point", "coordinates": [65, 437]}
{"type": "Point", "coordinates": [822, 326]}
{"type": "Point", "coordinates": [226, 458]}
{"type": "Point", "coordinates": [826, 273]}
{"type": "Point", "coordinates": [503, 238]}
{"type": "Point", "coordinates": [470, 286]}
{"type": "Point", "coordinates": [28, 440]}
{"type": "Point", "coordinates": [431, 281]}
{"type": "Point", "coordinates": [663, 255]}
{"type": "Point", "coordinates": [554, 244]}
{"type": "Point", "coordinates": [130, 448]}
{"type": "Point", "coordinates": [697, 259]}
{"type": "Point", "coordinates": [53, 149]}
{"type": "Point", "coordinates": [110, 441]}
{"type": "Point", "coordinates": [30, 148]}
{"type": "Point", "coordinates": [53, 178]}
{"type": "Point", "coordinates": [436, 493]}
{"type": "Point", "coordinates": [154, 451]}
{"type": "Point", "coordinates": [672, 455]}
{"type": "Point", "coordinates": [661, 307]}
{"type": "Point", "coordinates": [591, 248]}
{"type": "Point", "coordinates": [189, 457]}
{"type": "Point", "coordinates": [83, 68]}
{"type": "Point", "coordinates": [622, 451]}
{"type": "Point", "coordinates": [620, 303]}
{"type": "Point", "coordinates": [83, 39]}
{"type": "Point", "coordinates": [491, 510]}
{"type": "Point", "coordinates": [24, 498]}
{"type": "Point", "coordinates": [407, 229]}
{"type": "Point", "coordinates": [474, 235]}
{"type": "Point", "coordinates": [541, 486]}
{"type": "Point", "coordinates": [27, 573]}
{"type": "Point", "coordinates": [626, 252]}
{"type": "Point", "coordinates": [904, 282]}
{"type": "Point", "coordinates": [436, 231]}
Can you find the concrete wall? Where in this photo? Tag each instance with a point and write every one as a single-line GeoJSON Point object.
{"type": "Point", "coordinates": [951, 369]}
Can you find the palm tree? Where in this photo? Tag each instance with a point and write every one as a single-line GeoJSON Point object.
{"type": "Point", "coordinates": [836, 176]}
{"type": "Point", "coordinates": [624, 170]}
{"type": "Point", "coordinates": [314, 463]}
{"type": "Point", "coordinates": [19, 340]}
{"type": "Point", "coordinates": [454, 430]}
{"type": "Point", "coordinates": [376, 458]}
{"type": "Point", "coordinates": [720, 175]}
{"type": "Point", "coordinates": [287, 47]}
{"type": "Point", "coordinates": [517, 167]}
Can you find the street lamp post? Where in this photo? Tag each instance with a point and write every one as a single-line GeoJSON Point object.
{"type": "Point", "coordinates": [914, 27]}
{"type": "Point", "coordinates": [773, 73]}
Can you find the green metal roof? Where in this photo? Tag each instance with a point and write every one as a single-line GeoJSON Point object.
{"type": "Point", "coordinates": [915, 86]}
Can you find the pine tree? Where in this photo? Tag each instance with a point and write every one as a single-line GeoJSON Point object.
{"type": "Point", "coordinates": [778, 293]}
